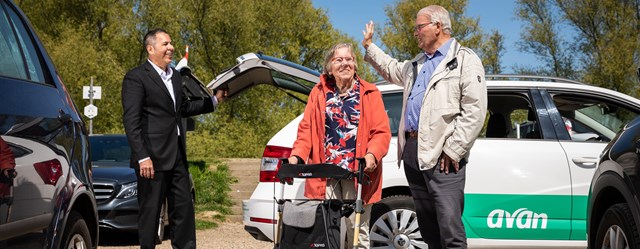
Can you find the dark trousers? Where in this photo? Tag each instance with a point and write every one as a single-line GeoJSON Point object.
{"type": "Point", "coordinates": [438, 199]}
{"type": "Point", "coordinates": [175, 186]}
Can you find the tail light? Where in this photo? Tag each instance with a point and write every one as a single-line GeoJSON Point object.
{"type": "Point", "coordinates": [50, 171]}
{"type": "Point", "coordinates": [271, 163]}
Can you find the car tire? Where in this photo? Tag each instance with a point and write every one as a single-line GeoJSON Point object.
{"type": "Point", "coordinates": [394, 224]}
{"type": "Point", "coordinates": [617, 229]}
{"type": "Point", "coordinates": [76, 235]}
{"type": "Point", "coordinates": [164, 216]}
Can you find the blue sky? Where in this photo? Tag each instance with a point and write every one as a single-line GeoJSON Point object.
{"type": "Point", "coordinates": [350, 16]}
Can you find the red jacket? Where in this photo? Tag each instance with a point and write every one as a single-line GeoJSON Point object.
{"type": "Point", "coordinates": [373, 137]}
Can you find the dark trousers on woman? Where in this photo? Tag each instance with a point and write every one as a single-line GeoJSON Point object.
{"type": "Point", "coordinates": [438, 199]}
{"type": "Point", "coordinates": [175, 186]}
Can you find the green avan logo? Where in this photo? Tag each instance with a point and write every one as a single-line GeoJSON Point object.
{"type": "Point", "coordinates": [522, 218]}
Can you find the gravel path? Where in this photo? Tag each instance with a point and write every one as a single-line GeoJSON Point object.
{"type": "Point", "coordinates": [227, 235]}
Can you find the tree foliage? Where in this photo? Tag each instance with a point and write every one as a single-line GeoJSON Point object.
{"type": "Point", "coordinates": [103, 40]}
{"type": "Point", "coordinates": [605, 49]}
{"type": "Point", "coordinates": [494, 46]}
{"type": "Point", "coordinates": [541, 38]}
{"type": "Point", "coordinates": [397, 33]}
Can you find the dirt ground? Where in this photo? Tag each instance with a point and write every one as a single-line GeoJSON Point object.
{"type": "Point", "coordinates": [227, 235]}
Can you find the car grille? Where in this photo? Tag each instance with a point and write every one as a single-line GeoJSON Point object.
{"type": "Point", "coordinates": [103, 192]}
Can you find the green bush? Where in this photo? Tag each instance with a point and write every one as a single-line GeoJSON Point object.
{"type": "Point", "coordinates": [212, 187]}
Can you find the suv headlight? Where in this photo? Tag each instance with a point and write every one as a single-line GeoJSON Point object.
{"type": "Point", "coordinates": [128, 190]}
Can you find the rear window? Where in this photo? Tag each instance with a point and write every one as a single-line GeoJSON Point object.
{"type": "Point", "coordinates": [110, 149]}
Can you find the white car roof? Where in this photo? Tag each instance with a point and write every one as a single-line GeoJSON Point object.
{"type": "Point", "coordinates": [385, 86]}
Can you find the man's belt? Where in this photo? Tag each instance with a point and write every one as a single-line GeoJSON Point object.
{"type": "Point", "coordinates": [411, 134]}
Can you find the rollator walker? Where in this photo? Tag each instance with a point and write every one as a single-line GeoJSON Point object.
{"type": "Point", "coordinates": [316, 223]}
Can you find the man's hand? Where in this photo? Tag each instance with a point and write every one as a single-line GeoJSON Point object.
{"type": "Point", "coordinates": [368, 35]}
{"type": "Point", "coordinates": [446, 161]}
{"type": "Point", "coordinates": [370, 162]}
{"type": "Point", "coordinates": [146, 169]}
{"type": "Point", "coordinates": [221, 95]}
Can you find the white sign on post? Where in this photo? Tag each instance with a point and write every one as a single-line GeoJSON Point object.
{"type": "Point", "coordinates": [91, 111]}
{"type": "Point", "coordinates": [86, 92]}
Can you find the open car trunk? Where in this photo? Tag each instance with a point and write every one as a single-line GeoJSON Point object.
{"type": "Point", "coordinates": [254, 69]}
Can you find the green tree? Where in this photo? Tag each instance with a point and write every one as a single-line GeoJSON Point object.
{"type": "Point", "coordinates": [243, 125]}
{"type": "Point", "coordinates": [74, 33]}
{"type": "Point", "coordinates": [397, 33]}
{"type": "Point", "coordinates": [494, 47]}
{"type": "Point", "coordinates": [604, 51]}
{"type": "Point", "coordinates": [76, 73]}
{"type": "Point", "coordinates": [103, 39]}
{"type": "Point", "coordinates": [540, 37]}
{"type": "Point", "coordinates": [607, 40]}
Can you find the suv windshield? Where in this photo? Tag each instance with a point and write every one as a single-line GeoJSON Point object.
{"type": "Point", "coordinates": [110, 149]}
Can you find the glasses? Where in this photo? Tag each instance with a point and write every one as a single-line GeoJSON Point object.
{"type": "Point", "coordinates": [420, 26]}
{"type": "Point", "coordinates": [340, 60]}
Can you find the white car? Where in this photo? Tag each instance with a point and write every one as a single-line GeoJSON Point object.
{"type": "Point", "coordinates": [528, 174]}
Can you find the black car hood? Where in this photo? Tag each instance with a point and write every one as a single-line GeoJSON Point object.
{"type": "Point", "coordinates": [109, 172]}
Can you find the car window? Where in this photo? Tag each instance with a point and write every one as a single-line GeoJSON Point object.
{"type": "Point", "coordinates": [110, 149]}
{"type": "Point", "coordinates": [290, 82]}
{"type": "Point", "coordinates": [393, 107]}
{"type": "Point", "coordinates": [19, 57]}
{"type": "Point", "coordinates": [510, 116]}
{"type": "Point", "coordinates": [592, 119]}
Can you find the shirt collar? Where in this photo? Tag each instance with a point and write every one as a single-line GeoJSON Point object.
{"type": "Point", "coordinates": [161, 72]}
{"type": "Point", "coordinates": [441, 51]}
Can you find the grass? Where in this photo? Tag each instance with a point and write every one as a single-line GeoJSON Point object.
{"type": "Point", "coordinates": [212, 180]}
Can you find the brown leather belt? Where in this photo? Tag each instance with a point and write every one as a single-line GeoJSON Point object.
{"type": "Point", "coordinates": [411, 134]}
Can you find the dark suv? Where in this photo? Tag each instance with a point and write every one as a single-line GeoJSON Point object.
{"type": "Point", "coordinates": [46, 195]}
{"type": "Point", "coordinates": [614, 207]}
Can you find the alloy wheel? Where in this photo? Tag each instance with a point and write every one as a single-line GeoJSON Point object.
{"type": "Point", "coordinates": [397, 229]}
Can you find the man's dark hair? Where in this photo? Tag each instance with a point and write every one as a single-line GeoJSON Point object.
{"type": "Point", "coordinates": [151, 36]}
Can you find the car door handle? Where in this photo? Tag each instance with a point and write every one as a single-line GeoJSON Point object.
{"type": "Point", "coordinates": [585, 161]}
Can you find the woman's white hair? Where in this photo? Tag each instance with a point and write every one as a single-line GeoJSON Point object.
{"type": "Point", "coordinates": [437, 14]}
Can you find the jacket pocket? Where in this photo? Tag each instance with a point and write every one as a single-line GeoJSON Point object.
{"type": "Point", "coordinates": [446, 93]}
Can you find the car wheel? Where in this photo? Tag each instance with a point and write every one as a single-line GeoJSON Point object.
{"type": "Point", "coordinates": [76, 236]}
{"type": "Point", "coordinates": [617, 229]}
{"type": "Point", "coordinates": [394, 224]}
{"type": "Point", "coordinates": [164, 216]}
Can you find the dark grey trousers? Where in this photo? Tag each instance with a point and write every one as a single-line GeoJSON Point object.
{"type": "Point", "coordinates": [438, 199]}
{"type": "Point", "coordinates": [175, 186]}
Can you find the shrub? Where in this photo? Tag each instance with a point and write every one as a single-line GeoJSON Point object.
{"type": "Point", "coordinates": [212, 187]}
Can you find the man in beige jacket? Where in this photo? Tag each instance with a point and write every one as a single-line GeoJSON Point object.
{"type": "Point", "coordinates": [444, 107]}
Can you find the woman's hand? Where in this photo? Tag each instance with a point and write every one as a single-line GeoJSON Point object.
{"type": "Point", "coordinates": [370, 162]}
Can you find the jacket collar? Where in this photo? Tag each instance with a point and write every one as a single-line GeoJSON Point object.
{"type": "Point", "coordinates": [364, 85]}
{"type": "Point", "coordinates": [452, 55]}
{"type": "Point", "coordinates": [155, 77]}
{"type": "Point", "coordinates": [448, 63]}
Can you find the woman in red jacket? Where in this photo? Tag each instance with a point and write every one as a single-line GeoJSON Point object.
{"type": "Point", "coordinates": [344, 119]}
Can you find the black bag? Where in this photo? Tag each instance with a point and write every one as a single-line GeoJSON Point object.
{"type": "Point", "coordinates": [300, 230]}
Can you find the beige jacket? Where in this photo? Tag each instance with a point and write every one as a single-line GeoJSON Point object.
{"type": "Point", "coordinates": [454, 105]}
